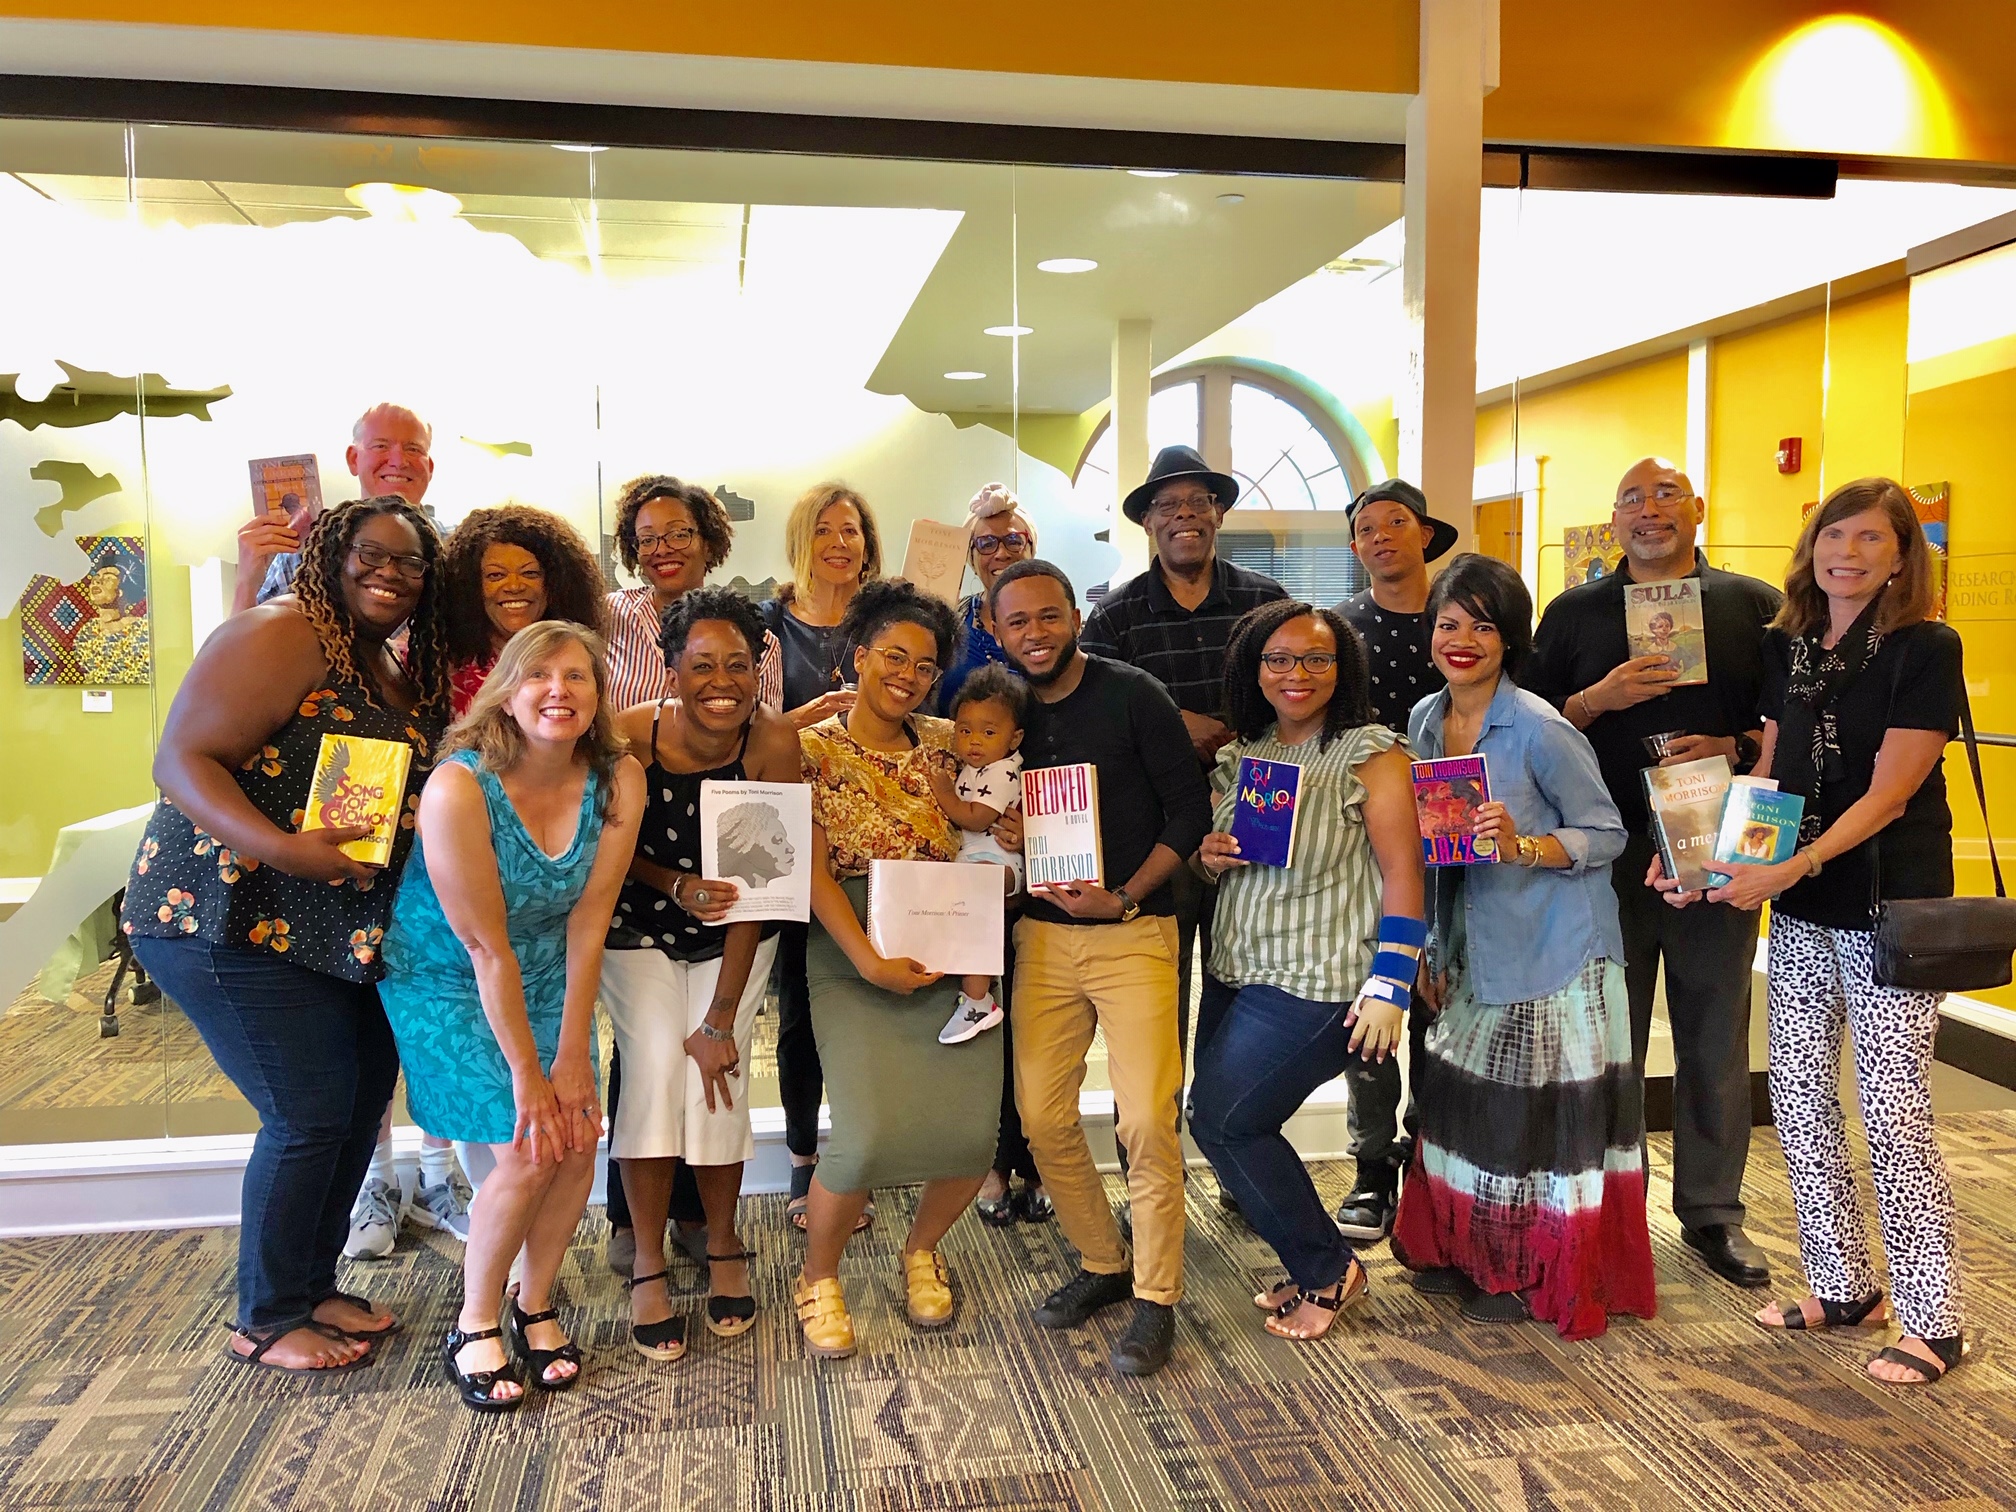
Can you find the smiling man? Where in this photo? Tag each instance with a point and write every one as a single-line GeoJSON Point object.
{"type": "Point", "coordinates": [1582, 664]}
{"type": "Point", "coordinates": [390, 452]}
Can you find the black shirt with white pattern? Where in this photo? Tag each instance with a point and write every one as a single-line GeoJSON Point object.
{"type": "Point", "coordinates": [1396, 648]}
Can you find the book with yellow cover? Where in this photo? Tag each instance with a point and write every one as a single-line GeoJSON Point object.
{"type": "Point", "coordinates": [359, 781]}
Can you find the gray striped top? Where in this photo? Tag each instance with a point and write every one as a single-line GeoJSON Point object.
{"type": "Point", "coordinates": [1310, 929]}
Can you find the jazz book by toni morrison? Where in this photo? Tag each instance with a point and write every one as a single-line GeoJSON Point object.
{"type": "Point", "coordinates": [1447, 794]}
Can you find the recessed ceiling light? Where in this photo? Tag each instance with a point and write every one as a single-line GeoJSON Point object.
{"type": "Point", "coordinates": [1009, 330]}
{"type": "Point", "coordinates": [1066, 265]}
{"type": "Point", "coordinates": [403, 202]}
{"type": "Point", "coordinates": [964, 375]}
{"type": "Point", "coordinates": [577, 147]}
{"type": "Point", "coordinates": [1231, 199]}
{"type": "Point", "coordinates": [1153, 172]}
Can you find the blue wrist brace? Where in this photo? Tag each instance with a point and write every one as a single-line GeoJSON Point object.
{"type": "Point", "coordinates": [1401, 941]}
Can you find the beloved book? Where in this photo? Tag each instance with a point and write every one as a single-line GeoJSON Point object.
{"type": "Point", "coordinates": [1686, 806]}
{"type": "Point", "coordinates": [758, 835]}
{"type": "Point", "coordinates": [1664, 619]}
{"type": "Point", "coordinates": [1447, 794]}
{"type": "Point", "coordinates": [1760, 825]}
{"type": "Point", "coordinates": [945, 915]}
{"type": "Point", "coordinates": [359, 781]}
{"type": "Point", "coordinates": [1263, 822]}
{"type": "Point", "coordinates": [1060, 825]}
{"type": "Point", "coordinates": [935, 559]}
{"type": "Point", "coordinates": [292, 485]}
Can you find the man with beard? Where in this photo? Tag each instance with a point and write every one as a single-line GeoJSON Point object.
{"type": "Point", "coordinates": [1104, 958]}
{"type": "Point", "coordinates": [1582, 664]}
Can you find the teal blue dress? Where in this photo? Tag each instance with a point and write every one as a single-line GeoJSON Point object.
{"type": "Point", "coordinates": [458, 1085]}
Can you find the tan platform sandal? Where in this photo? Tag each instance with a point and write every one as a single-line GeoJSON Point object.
{"type": "Point", "coordinates": [822, 1312]}
{"type": "Point", "coordinates": [929, 1289]}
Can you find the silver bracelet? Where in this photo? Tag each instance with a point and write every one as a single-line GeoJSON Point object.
{"type": "Point", "coordinates": [720, 1036]}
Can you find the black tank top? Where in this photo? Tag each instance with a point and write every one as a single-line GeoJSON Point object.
{"type": "Point", "coordinates": [669, 836]}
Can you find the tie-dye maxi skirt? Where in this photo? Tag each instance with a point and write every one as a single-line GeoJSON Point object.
{"type": "Point", "coordinates": [1529, 1172]}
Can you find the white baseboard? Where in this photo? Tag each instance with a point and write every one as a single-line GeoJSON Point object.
{"type": "Point", "coordinates": [116, 1185]}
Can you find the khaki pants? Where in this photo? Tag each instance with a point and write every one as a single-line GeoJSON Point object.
{"type": "Point", "coordinates": [1121, 979]}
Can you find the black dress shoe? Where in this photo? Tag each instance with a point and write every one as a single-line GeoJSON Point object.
{"type": "Point", "coordinates": [1083, 1295]}
{"type": "Point", "coordinates": [1144, 1348]}
{"type": "Point", "coordinates": [1729, 1253]}
{"type": "Point", "coordinates": [1367, 1214]}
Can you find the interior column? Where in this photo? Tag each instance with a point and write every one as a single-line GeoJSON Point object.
{"type": "Point", "coordinates": [1133, 369]}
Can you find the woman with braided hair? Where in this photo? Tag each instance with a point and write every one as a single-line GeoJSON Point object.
{"type": "Point", "coordinates": [269, 936]}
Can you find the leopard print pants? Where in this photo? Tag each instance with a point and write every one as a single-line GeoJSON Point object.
{"type": "Point", "coordinates": [1821, 979]}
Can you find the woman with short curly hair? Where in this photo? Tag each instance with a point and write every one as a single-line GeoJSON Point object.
{"type": "Point", "coordinates": [671, 534]}
{"type": "Point", "coordinates": [503, 569]}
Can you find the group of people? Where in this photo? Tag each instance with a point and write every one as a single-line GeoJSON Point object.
{"type": "Point", "coordinates": [546, 857]}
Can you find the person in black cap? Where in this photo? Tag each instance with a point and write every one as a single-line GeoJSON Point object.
{"type": "Point", "coordinates": [1174, 622]}
{"type": "Point", "coordinates": [1395, 538]}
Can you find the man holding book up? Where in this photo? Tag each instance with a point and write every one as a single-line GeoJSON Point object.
{"type": "Point", "coordinates": [1657, 708]}
{"type": "Point", "coordinates": [1098, 952]}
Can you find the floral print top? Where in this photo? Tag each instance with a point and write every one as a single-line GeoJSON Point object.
{"type": "Point", "coordinates": [878, 805]}
{"type": "Point", "coordinates": [184, 882]}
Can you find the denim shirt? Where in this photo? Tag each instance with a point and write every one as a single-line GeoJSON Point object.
{"type": "Point", "coordinates": [1529, 930]}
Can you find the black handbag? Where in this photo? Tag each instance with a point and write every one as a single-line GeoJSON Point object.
{"type": "Point", "coordinates": [1948, 944]}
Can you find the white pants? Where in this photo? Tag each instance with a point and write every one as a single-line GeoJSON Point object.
{"type": "Point", "coordinates": [655, 1003]}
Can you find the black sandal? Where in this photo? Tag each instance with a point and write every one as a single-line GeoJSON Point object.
{"type": "Point", "coordinates": [1345, 1297]}
{"type": "Point", "coordinates": [729, 1316]}
{"type": "Point", "coordinates": [539, 1361]}
{"type": "Point", "coordinates": [360, 1335]}
{"type": "Point", "coordinates": [796, 1210]}
{"type": "Point", "coordinates": [663, 1341]}
{"type": "Point", "coordinates": [1034, 1206]}
{"type": "Point", "coordinates": [1834, 1314]}
{"type": "Point", "coordinates": [477, 1386]}
{"type": "Point", "coordinates": [998, 1212]}
{"type": "Point", "coordinates": [1950, 1351]}
{"type": "Point", "coordinates": [261, 1342]}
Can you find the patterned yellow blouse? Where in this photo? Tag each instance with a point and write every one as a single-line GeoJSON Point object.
{"type": "Point", "coordinates": [878, 805]}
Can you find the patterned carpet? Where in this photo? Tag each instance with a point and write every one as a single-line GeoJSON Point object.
{"type": "Point", "coordinates": [113, 1392]}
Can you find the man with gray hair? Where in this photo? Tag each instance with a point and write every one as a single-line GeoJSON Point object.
{"type": "Point", "coordinates": [390, 452]}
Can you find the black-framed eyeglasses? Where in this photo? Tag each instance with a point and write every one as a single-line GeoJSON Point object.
{"type": "Point", "coordinates": [1014, 540]}
{"type": "Point", "coordinates": [1315, 663]}
{"type": "Point", "coordinates": [677, 536]}
{"type": "Point", "coordinates": [1164, 509]}
{"type": "Point", "coordinates": [412, 568]}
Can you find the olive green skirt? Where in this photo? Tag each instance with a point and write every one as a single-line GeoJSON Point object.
{"type": "Point", "coordinates": [905, 1108]}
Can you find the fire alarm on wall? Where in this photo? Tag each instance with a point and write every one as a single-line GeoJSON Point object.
{"type": "Point", "coordinates": [1788, 454]}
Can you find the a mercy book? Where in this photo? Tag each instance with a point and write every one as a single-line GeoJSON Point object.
{"type": "Point", "coordinates": [1060, 825]}
{"type": "Point", "coordinates": [758, 835]}
{"type": "Point", "coordinates": [1263, 822]}
{"type": "Point", "coordinates": [359, 781]}
{"type": "Point", "coordinates": [945, 915]}
{"type": "Point", "coordinates": [935, 559]}
{"type": "Point", "coordinates": [1447, 794]}
{"type": "Point", "coordinates": [1760, 826]}
{"type": "Point", "coordinates": [1664, 619]}
{"type": "Point", "coordinates": [1686, 806]}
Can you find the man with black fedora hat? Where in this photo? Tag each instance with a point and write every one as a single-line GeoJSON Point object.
{"type": "Point", "coordinates": [1174, 622]}
{"type": "Point", "coordinates": [1395, 538]}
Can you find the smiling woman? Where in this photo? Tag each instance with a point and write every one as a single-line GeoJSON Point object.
{"type": "Point", "coordinates": [504, 569]}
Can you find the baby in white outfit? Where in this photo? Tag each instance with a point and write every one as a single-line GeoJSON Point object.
{"type": "Point", "coordinates": [987, 720]}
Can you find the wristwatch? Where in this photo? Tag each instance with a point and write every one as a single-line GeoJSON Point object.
{"type": "Point", "coordinates": [1748, 749]}
{"type": "Point", "coordinates": [1129, 909]}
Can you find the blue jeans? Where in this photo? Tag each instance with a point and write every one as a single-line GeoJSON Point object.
{"type": "Point", "coordinates": [315, 1058]}
{"type": "Point", "coordinates": [1267, 1051]}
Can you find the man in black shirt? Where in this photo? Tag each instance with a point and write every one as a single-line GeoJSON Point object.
{"type": "Point", "coordinates": [1582, 664]}
{"type": "Point", "coordinates": [1104, 958]}
{"type": "Point", "coordinates": [1395, 538]}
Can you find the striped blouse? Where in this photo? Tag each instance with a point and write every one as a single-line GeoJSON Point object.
{"type": "Point", "coordinates": [1310, 929]}
{"type": "Point", "coordinates": [637, 665]}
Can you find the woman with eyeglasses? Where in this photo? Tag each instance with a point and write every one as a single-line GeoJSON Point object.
{"type": "Point", "coordinates": [268, 936]}
{"type": "Point", "coordinates": [1312, 964]}
{"type": "Point", "coordinates": [906, 1109]}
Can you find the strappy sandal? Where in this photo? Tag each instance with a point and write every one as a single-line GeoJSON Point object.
{"type": "Point", "coordinates": [1034, 1206]}
{"type": "Point", "coordinates": [539, 1361]}
{"type": "Point", "coordinates": [478, 1386]}
{"type": "Point", "coordinates": [998, 1212]}
{"type": "Point", "coordinates": [360, 1335]}
{"type": "Point", "coordinates": [663, 1341]}
{"type": "Point", "coordinates": [1950, 1352]}
{"type": "Point", "coordinates": [1357, 1285]}
{"type": "Point", "coordinates": [729, 1316]}
{"type": "Point", "coordinates": [798, 1211]}
{"type": "Point", "coordinates": [261, 1342]}
{"type": "Point", "coordinates": [1867, 1313]}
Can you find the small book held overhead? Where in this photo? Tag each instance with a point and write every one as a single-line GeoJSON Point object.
{"type": "Point", "coordinates": [1760, 826]}
{"type": "Point", "coordinates": [1448, 791]}
{"type": "Point", "coordinates": [1263, 822]}
{"type": "Point", "coordinates": [292, 485]}
{"type": "Point", "coordinates": [1685, 802]}
{"type": "Point", "coordinates": [359, 781]}
{"type": "Point", "coordinates": [935, 559]}
{"type": "Point", "coordinates": [1664, 619]}
{"type": "Point", "coordinates": [1060, 825]}
{"type": "Point", "coordinates": [944, 915]}
{"type": "Point", "coordinates": [758, 835]}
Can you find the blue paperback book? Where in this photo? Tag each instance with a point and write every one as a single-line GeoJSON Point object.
{"type": "Point", "coordinates": [1263, 822]}
{"type": "Point", "coordinates": [1760, 826]}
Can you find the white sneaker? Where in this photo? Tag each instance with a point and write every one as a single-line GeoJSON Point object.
{"type": "Point", "coordinates": [444, 1206]}
{"type": "Point", "coordinates": [374, 1221]}
{"type": "Point", "coordinates": [970, 1018]}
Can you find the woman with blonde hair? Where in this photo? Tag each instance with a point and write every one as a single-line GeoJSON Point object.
{"type": "Point", "coordinates": [1862, 691]}
{"type": "Point", "coordinates": [493, 958]}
